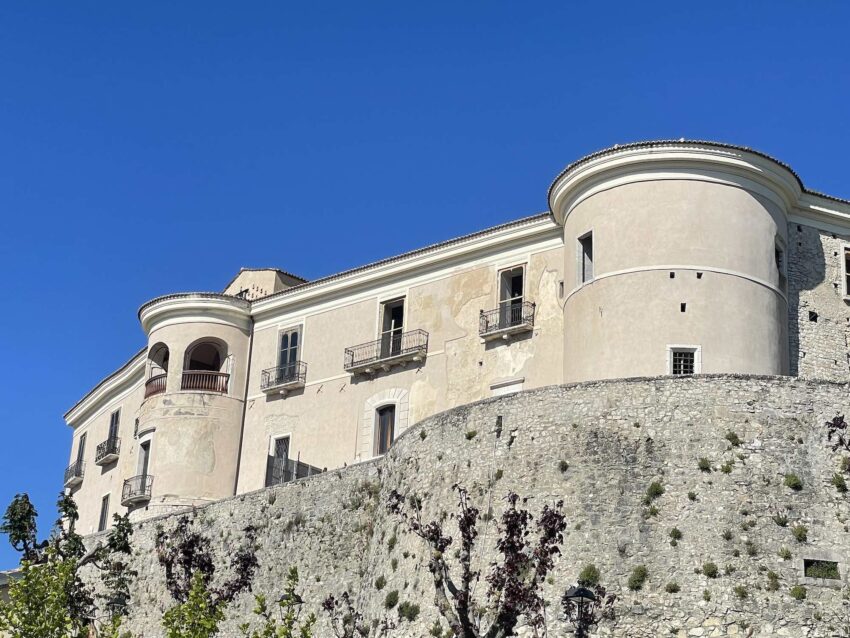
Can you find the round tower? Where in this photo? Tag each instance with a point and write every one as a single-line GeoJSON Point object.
{"type": "Point", "coordinates": [675, 261]}
{"type": "Point", "coordinates": [188, 430]}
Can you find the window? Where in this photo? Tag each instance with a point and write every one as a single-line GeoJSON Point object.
{"type": "Point", "coordinates": [821, 569]}
{"type": "Point", "coordinates": [586, 257]}
{"type": "Point", "coordinates": [104, 514]}
{"type": "Point", "coordinates": [385, 430]}
{"type": "Point", "coordinates": [113, 425]}
{"type": "Point", "coordinates": [277, 469]}
{"type": "Point", "coordinates": [779, 258]}
{"type": "Point", "coordinates": [392, 327]}
{"type": "Point", "coordinates": [511, 283]}
{"type": "Point", "coordinates": [847, 271]}
{"type": "Point", "coordinates": [144, 458]}
{"type": "Point", "coordinates": [290, 346]}
{"type": "Point", "coordinates": [683, 361]}
{"type": "Point", "coordinates": [81, 447]}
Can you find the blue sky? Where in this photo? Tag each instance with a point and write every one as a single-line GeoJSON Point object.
{"type": "Point", "coordinates": [157, 147]}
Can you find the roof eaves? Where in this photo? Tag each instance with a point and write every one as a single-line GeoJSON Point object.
{"type": "Point", "coordinates": [123, 368]}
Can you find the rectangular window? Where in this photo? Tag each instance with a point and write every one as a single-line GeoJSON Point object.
{"type": "Point", "coordinates": [847, 272]}
{"type": "Point", "coordinates": [385, 429]}
{"type": "Point", "coordinates": [277, 468]}
{"type": "Point", "coordinates": [144, 458]}
{"type": "Point", "coordinates": [684, 361]}
{"type": "Point", "coordinates": [511, 284]}
{"type": "Point", "coordinates": [114, 419]}
{"type": "Point", "coordinates": [81, 447]}
{"type": "Point", "coordinates": [288, 355]}
{"type": "Point", "coordinates": [392, 327]}
{"type": "Point", "coordinates": [104, 514]}
{"type": "Point", "coordinates": [586, 257]}
{"type": "Point", "coordinates": [779, 257]}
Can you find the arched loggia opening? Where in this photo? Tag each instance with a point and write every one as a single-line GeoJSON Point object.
{"type": "Point", "coordinates": [157, 369]}
{"type": "Point", "coordinates": [206, 367]}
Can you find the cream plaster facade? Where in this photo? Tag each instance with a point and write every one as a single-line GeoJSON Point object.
{"type": "Point", "coordinates": [691, 247]}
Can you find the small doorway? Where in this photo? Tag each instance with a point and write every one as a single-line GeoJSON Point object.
{"type": "Point", "coordinates": [385, 429]}
{"type": "Point", "coordinates": [392, 328]}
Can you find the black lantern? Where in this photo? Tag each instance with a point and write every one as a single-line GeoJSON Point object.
{"type": "Point", "coordinates": [584, 600]}
{"type": "Point", "coordinates": [290, 600]}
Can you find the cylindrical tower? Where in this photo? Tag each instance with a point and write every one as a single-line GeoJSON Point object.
{"type": "Point", "coordinates": [189, 426]}
{"type": "Point", "coordinates": [675, 261]}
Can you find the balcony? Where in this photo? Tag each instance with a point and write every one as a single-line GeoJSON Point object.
{"type": "Point", "coordinates": [390, 350]}
{"type": "Point", "coordinates": [136, 490]}
{"type": "Point", "coordinates": [155, 385]}
{"type": "Point", "coordinates": [107, 452]}
{"type": "Point", "coordinates": [506, 320]}
{"type": "Point", "coordinates": [282, 379]}
{"type": "Point", "coordinates": [205, 381]}
{"type": "Point", "coordinates": [280, 471]}
{"type": "Point", "coordinates": [74, 474]}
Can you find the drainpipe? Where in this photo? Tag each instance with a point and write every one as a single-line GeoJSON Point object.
{"type": "Point", "coordinates": [244, 406]}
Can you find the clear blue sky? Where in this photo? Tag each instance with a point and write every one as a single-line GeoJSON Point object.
{"type": "Point", "coordinates": [156, 147]}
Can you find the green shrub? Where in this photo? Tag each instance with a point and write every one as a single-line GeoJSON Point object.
{"type": "Point", "coordinates": [751, 548]}
{"type": "Point", "coordinates": [408, 611]}
{"type": "Point", "coordinates": [676, 534]}
{"type": "Point", "coordinates": [740, 592]}
{"type": "Point", "coordinates": [733, 438]}
{"type": "Point", "coordinates": [839, 482]}
{"type": "Point", "coordinates": [710, 570]}
{"type": "Point", "coordinates": [498, 475]}
{"type": "Point", "coordinates": [672, 588]}
{"type": "Point", "coordinates": [793, 481]}
{"type": "Point", "coordinates": [821, 569]}
{"type": "Point", "coordinates": [727, 535]}
{"type": "Point", "coordinates": [692, 496]}
{"type": "Point", "coordinates": [471, 435]}
{"type": "Point", "coordinates": [780, 519]}
{"type": "Point", "coordinates": [589, 576]}
{"type": "Point", "coordinates": [380, 582]}
{"type": "Point", "coordinates": [392, 542]}
{"type": "Point", "coordinates": [784, 553]}
{"type": "Point", "coordinates": [798, 592]}
{"type": "Point", "coordinates": [653, 510]}
{"type": "Point", "coordinates": [772, 581]}
{"type": "Point", "coordinates": [391, 600]}
{"type": "Point", "coordinates": [801, 533]}
{"type": "Point", "coordinates": [654, 490]}
{"type": "Point", "coordinates": [437, 629]}
{"type": "Point", "coordinates": [726, 468]}
{"type": "Point", "coordinates": [704, 464]}
{"type": "Point", "coordinates": [394, 563]}
{"type": "Point", "coordinates": [638, 577]}
{"type": "Point", "coordinates": [706, 595]}
{"type": "Point", "coordinates": [422, 434]}
{"type": "Point", "coordinates": [563, 466]}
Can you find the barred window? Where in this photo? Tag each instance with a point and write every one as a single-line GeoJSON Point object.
{"type": "Point", "coordinates": [684, 362]}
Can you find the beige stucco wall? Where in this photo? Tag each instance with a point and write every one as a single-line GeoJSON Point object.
{"type": "Point", "coordinates": [621, 323]}
{"type": "Point", "coordinates": [330, 422]}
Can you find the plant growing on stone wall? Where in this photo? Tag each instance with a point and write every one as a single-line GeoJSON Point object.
{"type": "Point", "coordinates": [51, 598]}
{"type": "Point", "coordinates": [798, 592]}
{"type": "Point", "coordinates": [793, 482]}
{"type": "Point", "coordinates": [638, 577]}
{"type": "Point", "coordinates": [188, 561]}
{"type": "Point", "coordinates": [347, 622]}
{"type": "Point", "coordinates": [710, 570]}
{"type": "Point", "coordinates": [800, 533]}
{"type": "Point", "coordinates": [704, 464]}
{"type": "Point", "coordinates": [514, 580]}
{"type": "Point", "coordinates": [288, 610]}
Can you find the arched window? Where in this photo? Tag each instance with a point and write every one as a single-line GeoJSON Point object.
{"type": "Point", "coordinates": [384, 429]}
{"type": "Point", "coordinates": [203, 367]}
{"type": "Point", "coordinates": [157, 370]}
{"type": "Point", "coordinates": [204, 356]}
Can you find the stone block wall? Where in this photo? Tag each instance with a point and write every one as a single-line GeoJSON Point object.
{"type": "Point", "coordinates": [598, 446]}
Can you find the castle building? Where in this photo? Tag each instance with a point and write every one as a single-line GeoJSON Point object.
{"type": "Point", "coordinates": [655, 258]}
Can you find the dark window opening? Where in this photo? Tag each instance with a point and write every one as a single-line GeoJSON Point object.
{"type": "Point", "coordinates": [672, 275]}
{"type": "Point", "coordinates": [847, 272]}
{"type": "Point", "coordinates": [813, 316]}
{"type": "Point", "coordinates": [821, 569]}
{"type": "Point", "coordinates": [385, 433]}
{"type": "Point", "coordinates": [290, 345]}
{"type": "Point", "coordinates": [104, 514]}
{"type": "Point", "coordinates": [113, 424]}
{"type": "Point", "coordinates": [779, 257]}
{"type": "Point", "coordinates": [682, 307]}
{"type": "Point", "coordinates": [699, 275]}
{"type": "Point", "coordinates": [144, 458]}
{"type": "Point", "coordinates": [392, 328]}
{"type": "Point", "coordinates": [205, 356]}
{"type": "Point", "coordinates": [511, 289]}
{"type": "Point", "coordinates": [586, 246]}
{"type": "Point", "coordinates": [684, 362]}
{"type": "Point", "coordinates": [81, 447]}
{"type": "Point", "coordinates": [278, 465]}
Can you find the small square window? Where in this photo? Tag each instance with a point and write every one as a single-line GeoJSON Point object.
{"type": "Point", "coordinates": [683, 360]}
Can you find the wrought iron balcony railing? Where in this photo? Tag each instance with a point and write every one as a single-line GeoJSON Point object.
{"type": "Point", "coordinates": [155, 385]}
{"type": "Point", "coordinates": [137, 489]}
{"type": "Point", "coordinates": [280, 471]}
{"type": "Point", "coordinates": [107, 452]}
{"type": "Point", "coordinates": [205, 381]}
{"type": "Point", "coordinates": [74, 473]}
{"type": "Point", "coordinates": [283, 378]}
{"type": "Point", "coordinates": [507, 319]}
{"type": "Point", "coordinates": [390, 349]}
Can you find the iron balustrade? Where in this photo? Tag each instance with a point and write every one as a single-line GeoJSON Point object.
{"type": "Point", "coordinates": [205, 381]}
{"type": "Point", "coordinates": [389, 346]}
{"type": "Point", "coordinates": [110, 447]}
{"type": "Point", "coordinates": [287, 374]}
{"type": "Point", "coordinates": [137, 488]}
{"type": "Point", "coordinates": [281, 471]}
{"type": "Point", "coordinates": [155, 385]}
{"type": "Point", "coordinates": [75, 471]}
{"type": "Point", "coordinates": [506, 317]}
